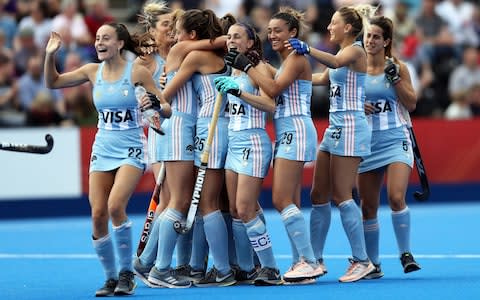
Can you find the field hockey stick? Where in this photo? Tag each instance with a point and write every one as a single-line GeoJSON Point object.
{"type": "Point", "coordinates": [154, 201]}
{"type": "Point", "coordinates": [35, 149]}
{"type": "Point", "coordinates": [422, 174]}
{"type": "Point", "coordinates": [197, 190]}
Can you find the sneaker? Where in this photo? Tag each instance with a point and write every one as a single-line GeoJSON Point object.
{"type": "Point", "coordinates": [214, 278]}
{"type": "Point", "coordinates": [356, 271]}
{"type": "Point", "coordinates": [322, 265]}
{"type": "Point", "coordinates": [301, 282]}
{"type": "Point", "coordinates": [182, 271]}
{"type": "Point", "coordinates": [268, 276]}
{"type": "Point", "coordinates": [375, 274]}
{"type": "Point", "coordinates": [142, 272]}
{"type": "Point", "coordinates": [303, 270]}
{"type": "Point", "coordinates": [186, 272]}
{"type": "Point", "coordinates": [126, 284]}
{"type": "Point", "coordinates": [245, 277]}
{"type": "Point", "coordinates": [408, 262]}
{"type": "Point", "coordinates": [107, 289]}
{"type": "Point", "coordinates": [167, 279]}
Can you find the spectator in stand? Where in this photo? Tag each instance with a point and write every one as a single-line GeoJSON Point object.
{"type": "Point", "coordinates": [459, 16]}
{"type": "Point", "coordinates": [24, 49]}
{"type": "Point", "coordinates": [8, 25]}
{"type": "Point", "coordinates": [70, 23]}
{"type": "Point", "coordinates": [459, 108]}
{"type": "Point", "coordinates": [42, 111]}
{"type": "Point", "coordinates": [9, 115]}
{"type": "Point", "coordinates": [465, 75]}
{"type": "Point", "coordinates": [3, 47]}
{"type": "Point", "coordinates": [39, 22]}
{"type": "Point", "coordinates": [404, 38]}
{"type": "Point", "coordinates": [96, 15]}
{"type": "Point", "coordinates": [474, 100]}
{"type": "Point", "coordinates": [31, 84]}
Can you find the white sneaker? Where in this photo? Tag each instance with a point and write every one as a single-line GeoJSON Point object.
{"type": "Point", "coordinates": [303, 270]}
{"type": "Point", "coordinates": [357, 271]}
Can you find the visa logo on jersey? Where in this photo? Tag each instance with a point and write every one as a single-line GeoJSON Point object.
{"type": "Point", "coordinates": [119, 116]}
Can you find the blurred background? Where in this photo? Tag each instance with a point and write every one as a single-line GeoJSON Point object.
{"type": "Point", "coordinates": [438, 39]}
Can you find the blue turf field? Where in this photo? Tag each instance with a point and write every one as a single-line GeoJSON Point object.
{"type": "Point", "coordinates": [54, 259]}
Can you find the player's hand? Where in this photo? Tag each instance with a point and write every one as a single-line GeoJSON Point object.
{"type": "Point", "coordinates": [54, 43]}
{"type": "Point", "coordinates": [369, 108]}
{"type": "Point", "coordinates": [300, 47]}
{"type": "Point", "coordinates": [392, 71]}
{"type": "Point", "coordinates": [226, 84]}
{"type": "Point", "coordinates": [162, 80]}
{"type": "Point", "coordinates": [238, 60]}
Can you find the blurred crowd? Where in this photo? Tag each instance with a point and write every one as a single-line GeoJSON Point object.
{"type": "Point", "coordinates": [438, 39]}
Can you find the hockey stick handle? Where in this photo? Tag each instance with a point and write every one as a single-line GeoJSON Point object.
{"type": "Point", "coordinates": [197, 190]}
{"type": "Point", "coordinates": [29, 148]}
{"type": "Point", "coordinates": [152, 207]}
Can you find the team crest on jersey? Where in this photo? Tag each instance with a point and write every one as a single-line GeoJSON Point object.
{"type": "Point", "coordinates": [189, 148]}
{"type": "Point", "coordinates": [125, 82]}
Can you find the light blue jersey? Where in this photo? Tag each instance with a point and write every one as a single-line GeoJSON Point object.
{"type": "Point", "coordinates": [159, 67]}
{"type": "Point", "coordinates": [381, 94]}
{"type": "Point", "coordinates": [204, 89]}
{"type": "Point", "coordinates": [115, 102]}
{"type": "Point", "coordinates": [120, 138]}
{"type": "Point", "coordinates": [153, 142]}
{"type": "Point", "coordinates": [294, 100]}
{"type": "Point", "coordinates": [347, 89]}
{"type": "Point", "coordinates": [184, 100]}
{"type": "Point", "coordinates": [242, 115]}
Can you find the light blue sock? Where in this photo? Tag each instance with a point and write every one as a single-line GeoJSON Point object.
{"type": "Point", "coordinates": [199, 258]}
{"type": "Point", "coordinates": [261, 215]}
{"type": "Point", "coordinates": [260, 241]}
{"type": "Point", "coordinates": [242, 245]}
{"type": "Point", "coordinates": [297, 231]}
{"type": "Point", "coordinates": [216, 234]}
{"type": "Point", "coordinates": [147, 258]}
{"type": "Point", "coordinates": [401, 226]}
{"type": "Point", "coordinates": [293, 248]}
{"type": "Point", "coordinates": [104, 248]}
{"type": "Point", "coordinates": [184, 248]}
{"type": "Point", "coordinates": [232, 255]}
{"type": "Point", "coordinates": [167, 238]}
{"type": "Point", "coordinates": [352, 224]}
{"type": "Point", "coordinates": [319, 224]}
{"type": "Point", "coordinates": [123, 241]}
{"type": "Point", "coordinates": [371, 230]}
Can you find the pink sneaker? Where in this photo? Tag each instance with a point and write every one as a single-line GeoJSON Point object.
{"type": "Point", "coordinates": [303, 270]}
{"type": "Point", "coordinates": [357, 271]}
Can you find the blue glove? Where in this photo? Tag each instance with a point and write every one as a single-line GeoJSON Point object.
{"type": "Point", "coordinates": [238, 60]}
{"type": "Point", "coordinates": [226, 84]}
{"type": "Point", "coordinates": [299, 46]}
{"type": "Point", "coordinates": [392, 71]}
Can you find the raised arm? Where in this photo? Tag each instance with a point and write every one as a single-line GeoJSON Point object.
{"type": "Point", "coordinates": [53, 79]}
{"type": "Point", "coordinates": [399, 76]}
{"type": "Point", "coordinates": [189, 66]}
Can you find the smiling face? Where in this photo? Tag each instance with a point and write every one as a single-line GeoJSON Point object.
{"type": "Point", "coordinates": [238, 38]}
{"type": "Point", "coordinates": [374, 41]}
{"type": "Point", "coordinates": [107, 43]}
{"type": "Point", "coordinates": [181, 34]}
{"type": "Point", "coordinates": [163, 30]}
{"type": "Point", "coordinates": [278, 33]}
{"type": "Point", "coordinates": [337, 28]}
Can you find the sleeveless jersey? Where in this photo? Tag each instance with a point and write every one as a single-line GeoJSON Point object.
{"type": "Point", "coordinates": [159, 63]}
{"type": "Point", "coordinates": [381, 94]}
{"type": "Point", "coordinates": [204, 88]}
{"type": "Point", "coordinates": [184, 100]}
{"type": "Point", "coordinates": [115, 101]}
{"type": "Point", "coordinates": [347, 89]}
{"type": "Point", "coordinates": [294, 100]}
{"type": "Point", "coordinates": [243, 115]}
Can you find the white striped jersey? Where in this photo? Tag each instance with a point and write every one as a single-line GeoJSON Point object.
{"type": "Point", "coordinates": [243, 115]}
{"type": "Point", "coordinates": [204, 87]}
{"type": "Point", "coordinates": [381, 94]}
{"type": "Point", "coordinates": [184, 100]}
{"type": "Point", "coordinates": [294, 100]}
{"type": "Point", "coordinates": [347, 89]}
{"type": "Point", "coordinates": [115, 101]}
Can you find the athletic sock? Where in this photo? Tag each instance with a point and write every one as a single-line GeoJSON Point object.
{"type": "Point", "coordinates": [261, 215]}
{"type": "Point", "coordinates": [123, 240]}
{"type": "Point", "coordinates": [216, 234]}
{"type": "Point", "coordinates": [242, 245]}
{"type": "Point", "coordinates": [297, 231]}
{"type": "Point", "coordinates": [372, 232]}
{"type": "Point", "coordinates": [184, 248]}
{"type": "Point", "coordinates": [319, 224]}
{"type": "Point", "coordinates": [260, 241]}
{"type": "Point", "coordinates": [352, 224]}
{"type": "Point", "coordinates": [199, 258]}
{"type": "Point", "coordinates": [167, 238]}
{"type": "Point", "coordinates": [401, 227]}
{"type": "Point", "coordinates": [232, 255]}
{"type": "Point", "coordinates": [104, 249]}
{"type": "Point", "coordinates": [147, 258]}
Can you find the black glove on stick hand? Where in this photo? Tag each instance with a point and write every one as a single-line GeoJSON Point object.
{"type": "Point", "coordinates": [238, 60]}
